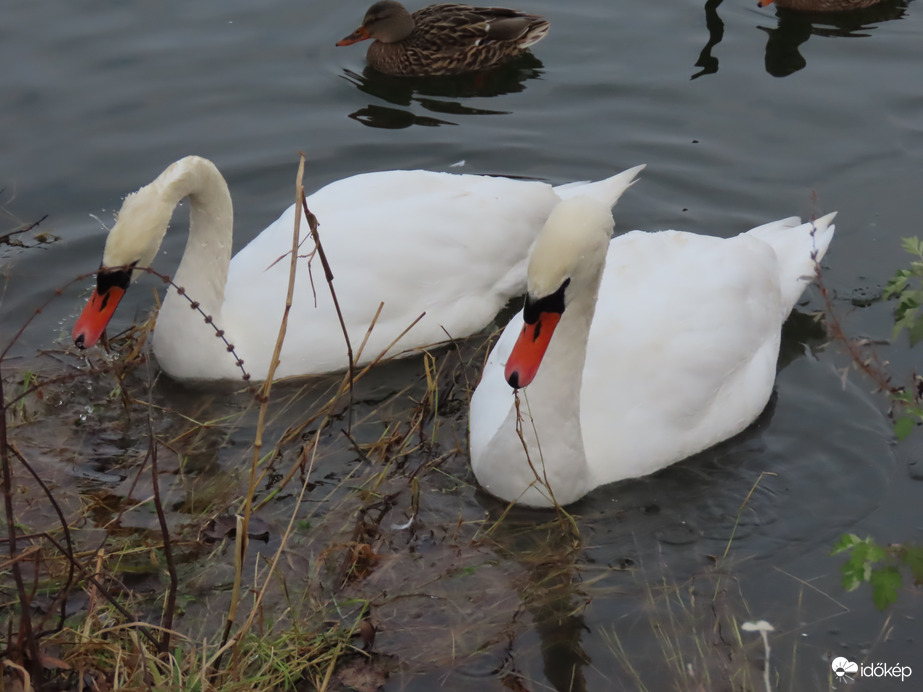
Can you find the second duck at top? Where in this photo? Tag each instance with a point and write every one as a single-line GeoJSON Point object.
{"type": "Point", "coordinates": [820, 5]}
{"type": "Point", "coordinates": [444, 39]}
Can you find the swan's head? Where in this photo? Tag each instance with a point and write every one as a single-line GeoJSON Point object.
{"type": "Point", "coordinates": [566, 262]}
{"type": "Point", "coordinates": [131, 246]}
{"type": "Point", "coordinates": [388, 21]}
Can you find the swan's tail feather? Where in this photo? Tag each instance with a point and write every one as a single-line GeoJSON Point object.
{"type": "Point", "coordinates": [607, 191]}
{"type": "Point", "coordinates": [798, 246]}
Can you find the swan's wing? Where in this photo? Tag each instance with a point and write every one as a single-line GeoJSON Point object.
{"type": "Point", "coordinates": [682, 349]}
{"type": "Point", "coordinates": [797, 246]}
{"type": "Point", "coordinates": [452, 247]}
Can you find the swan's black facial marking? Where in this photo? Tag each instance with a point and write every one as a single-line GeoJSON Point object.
{"type": "Point", "coordinates": [112, 278]}
{"type": "Point", "coordinates": [119, 277]}
{"type": "Point", "coordinates": [554, 302]}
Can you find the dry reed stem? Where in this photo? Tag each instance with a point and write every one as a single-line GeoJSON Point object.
{"type": "Point", "coordinates": [740, 510]}
{"type": "Point", "coordinates": [263, 398]}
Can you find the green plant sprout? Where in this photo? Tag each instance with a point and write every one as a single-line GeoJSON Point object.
{"type": "Point", "coordinates": [907, 287]}
{"type": "Point", "coordinates": [878, 565]}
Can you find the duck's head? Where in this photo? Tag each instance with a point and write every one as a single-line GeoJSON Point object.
{"type": "Point", "coordinates": [131, 246]}
{"type": "Point", "coordinates": [388, 21]}
{"type": "Point", "coordinates": [566, 262]}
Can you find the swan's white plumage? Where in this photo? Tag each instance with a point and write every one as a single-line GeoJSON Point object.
{"type": "Point", "coordinates": [451, 246]}
{"type": "Point", "coordinates": [681, 354]}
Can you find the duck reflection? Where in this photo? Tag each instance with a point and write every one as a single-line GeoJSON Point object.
{"type": "Point", "coordinates": [444, 95]}
{"type": "Point", "coordinates": [715, 26]}
{"type": "Point", "coordinates": [795, 26]}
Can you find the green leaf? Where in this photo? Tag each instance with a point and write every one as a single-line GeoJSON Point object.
{"type": "Point", "coordinates": [913, 558]}
{"type": "Point", "coordinates": [867, 550]}
{"type": "Point", "coordinates": [885, 583]}
{"type": "Point", "coordinates": [903, 395]}
{"type": "Point", "coordinates": [875, 552]}
{"type": "Point", "coordinates": [903, 319]}
{"type": "Point", "coordinates": [853, 575]}
{"type": "Point", "coordinates": [846, 542]}
{"type": "Point", "coordinates": [912, 299]}
{"type": "Point", "coordinates": [916, 332]}
{"type": "Point", "coordinates": [903, 427]}
{"type": "Point", "coordinates": [912, 245]}
{"type": "Point", "coordinates": [897, 283]}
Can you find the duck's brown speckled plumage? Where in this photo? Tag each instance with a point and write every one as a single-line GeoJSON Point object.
{"type": "Point", "coordinates": [821, 5]}
{"type": "Point", "coordinates": [446, 39]}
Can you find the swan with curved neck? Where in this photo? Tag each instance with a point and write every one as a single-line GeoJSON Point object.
{"type": "Point", "coordinates": [635, 353]}
{"type": "Point", "coordinates": [452, 248]}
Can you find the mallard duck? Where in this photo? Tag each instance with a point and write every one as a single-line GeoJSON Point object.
{"type": "Point", "coordinates": [820, 5]}
{"type": "Point", "coordinates": [444, 39]}
{"type": "Point", "coordinates": [633, 353]}
{"type": "Point", "coordinates": [451, 246]}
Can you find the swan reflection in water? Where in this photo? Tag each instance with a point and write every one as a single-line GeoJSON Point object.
{"type": "Point", "coordinates": [442, 95]}
{"type": "Point", "coordinates": [794, 28]}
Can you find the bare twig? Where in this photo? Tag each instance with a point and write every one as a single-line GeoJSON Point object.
{"type": "Point", "coordinates": [170, 604]}
{"type": "Point", "coordinates": [63, 593]}
{"type": "Point", "coordinates": [866, 361]}
{"type": "Point", "coordinates": [6, 238]}
{"type": "Point", "coordinates": [328, 274]}
{"type": "Point", "coordinates": [25, 635]}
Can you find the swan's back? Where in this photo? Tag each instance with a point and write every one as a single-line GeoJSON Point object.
{"type": "Point", "coordinates": [689, 331]}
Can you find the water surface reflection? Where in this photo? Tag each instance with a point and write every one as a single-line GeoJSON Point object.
{"type": "Point", "coordinates": [793, 29]}
{"type": "Point", "coordinates": [443, 95]}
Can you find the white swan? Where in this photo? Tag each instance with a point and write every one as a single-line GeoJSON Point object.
{"type": "Point", "coordinates": [452, 246]}
{"type": "Point", "coordinates": [681, 353]}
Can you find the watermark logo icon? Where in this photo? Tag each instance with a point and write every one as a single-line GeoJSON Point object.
{"type": "Point", "coordinates": [843, 668]}
{"type": "Point", "coordinates": [847, 670]}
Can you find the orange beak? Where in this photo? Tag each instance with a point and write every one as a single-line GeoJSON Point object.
{"type": "Point", "coordinates": [763, 3]}
{"type": "Point", "coordinates": [527, 354]}
{"type": "Point", "coordinates": [359, 34]}
{"type": "Point", "coordinates": [96, 315]}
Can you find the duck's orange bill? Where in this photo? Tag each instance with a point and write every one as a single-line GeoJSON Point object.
{"type": "Point", "coordinates": [96, 315]}
{"type": "Point", "coordinates": [530, 348]}
{"type": "Point", "coordinates": [359, 34]}
{"type": "Point", "coordinates": [763, 3]}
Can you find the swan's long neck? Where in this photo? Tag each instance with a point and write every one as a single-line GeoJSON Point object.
{"type": "Point", "coordinates": [184, 344]}
{"type": "Point", "coordinates": [553, 435]}
{"type": "Point", "coordinates": [203, 271]}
